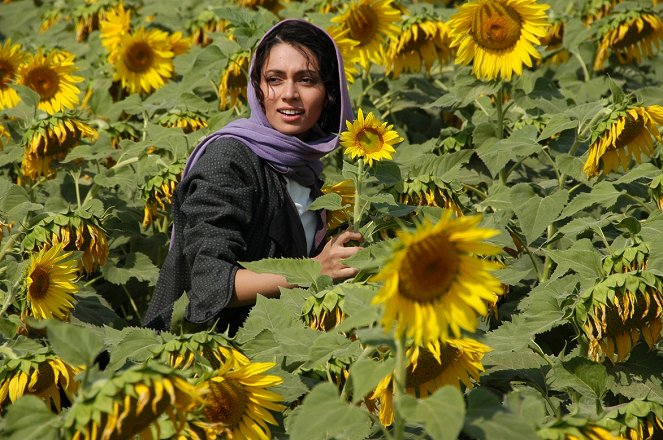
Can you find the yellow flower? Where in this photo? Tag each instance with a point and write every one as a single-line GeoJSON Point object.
{"type": "Point", "coordinates": [553, 42]}
{"type": "Point", "coordinates": [207, 22]}
{"type": "Point", "coordinates": [345, 189]}
{"type": "Point", "coordinates": [459, 361]}
{"type": "Point", "coordinates": [498, 36]}
{"type": "Point", "coordinates": [4, 133]}
{"type": "Point", "coordinates": [630, 135]}
{"type": "Point", "coordinates": [130, 402]}
{"type": "Point", "coordinates": [113, 26]}
{"type": "Point", "coordinates": [51, 76]}
{"type": "Point", "coordinates": [595, 10]}
{"type": "Point", "coordinates": [87, 236]}
{"type": "Point", "coordinates": [234, 82]}
{"type": "Point", "coordinates": [369, 138]}
{"type": "Point", "coordinates": [11, 58]}
{"type": "Point", "coordinates": [420, 44]}
{"type": "Point", "coordinates": [346, 46]}
{"type": "Point", "coordinates": [238, 404]}
{"type": "Point", "coordinates": [143, 60]}
{"type": "Point", "coordinates": [370, 23]}
{"type": "Point", "coordinates": [436, 282]}
{"type": "Point", "coordinates": [429, 191]}
{"type": "Point", "coordinates": [179, 44]}
{"type": "Point", "coordinates": [188, 121]}
{"type": "Point", "coordinates": [50, 284]}
{"type": "Point", "coordinates": [158, 192]}
{"type": "Point", "coordinates": [271, 5]}
{"type": "Point", "coordinates": [630, 39]}
{"type": "Point", "coordinates": [39, 374]}
{"type": "Point", "coordinates": [50, 140]}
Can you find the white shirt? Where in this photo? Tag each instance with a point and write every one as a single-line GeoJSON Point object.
{"type": "Point", "coordinates": [301, 196]}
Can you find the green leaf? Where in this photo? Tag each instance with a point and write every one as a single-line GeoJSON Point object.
{"type": "Point", "coordinates": [604, 193]}
{"type": "Point", "coordinates": [269, 314]}
{"type": "Point", "coordinates": [487, 419]}
{"type": "Point", "coordinates": [441, 414]}
{"type": "Point", "coordinates": [534, 213]}
{"type": "Point", "coordinates": [582, 258]}
{"type": "Point", "coordinates": [30, 419]}
{"type": "Point", "coordinates": [136, 265]}
{"type": "Point", "coordinates": [75, 344]}
{"type": "Point", "coordinates": [640, 377]}
{"type": "Point", "coordinates": [558, 123]}
{"type": "Point", "coordinates": [331, 346]}
{"type": "Point", "coordinates": [365, 374]}
{"type": "Point", "coordinates": [92, 308]}
{"type": "Point", "coordinates": [136, 346]}
{"type": "Point", "coordinates": [323, 416]}
{"type": "Point", "coordinates": [295, 343]}
{"type": "Point", "coordinates": [298, 271]}
{"type": "Point", "coordinates": [497, 153]}
{"type": "Point", "coordinates": [331, 201]}
{"type": "Point", "coordinates": [580, 375]}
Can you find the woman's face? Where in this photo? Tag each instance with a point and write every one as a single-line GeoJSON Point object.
{"type": "Point", "coordinates": [293, 91]}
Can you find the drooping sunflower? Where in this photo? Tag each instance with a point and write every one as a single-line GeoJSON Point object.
{"type": "Point", "coordinates": [346, 46]}
{"type": "Point", "coordinates": [274, 6]}
{"type": "Point", "coordinates": [113, 26]}
{"type": "Point", "coordinates": [436, 283]}
{"type": "Point", "coordinates": [88, 16]}
{"type": "Point", "coordinates": [42, 374]}
{"type": "Point", "coordinates": [624, 135]}
{"type": "Point", "coordinates": [158, 192]}
{"type": "Point", "coordinates": [130, 402]}
{"type": "Point", "coordinates": [50, 284]}
{"type": "Point", "coordinates": [233, 83]}
{"type": "Point", "coordinates": [11, 57]}
{"type": "Point", "coordinates": [498, 36]}
{"type": "Point", "coordinates": [420, 44]}
{"type": "Point", "coordinates": [429, 190]}
{"type": "Point", "coordinates": [594, 10]}
{"type": "Point", "coordinates": [345, 189]}
{"type": "Point", "coordinates": [576, 430]}
{"type": "Point", "coordinates": [618, 310]}
{"type": "Point", "coordinates": [370, 23]}
{"type": "Point", "coordinates": [185, 350]}
{"type": "Point", "coordinates": [206, 23]}
{"type": "Point", "coordinates": [51, 75]}
{"type": "Point", "coordinates": [458, 362]}
{"type": "Point", "coordinates": [324, 310]}
{"type": "Point", "coordinates": [631, 36]}
{"type": "Point", "coordinates": [143, 60]}
{"type": "Point", "coordinates": [49, 140]}
{"type": "Point", "coordinates": [187, 120]}
{"type": "Point", "coordinates": [369, 138]}
{"type": "Point", "coordinates": [239, 402]}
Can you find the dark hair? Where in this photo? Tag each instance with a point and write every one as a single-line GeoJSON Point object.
{"type": "Point", "coordinates": [302, 35]}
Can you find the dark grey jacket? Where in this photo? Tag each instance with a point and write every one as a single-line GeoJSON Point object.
{"type": "Point", "coordinates": [230, 207]}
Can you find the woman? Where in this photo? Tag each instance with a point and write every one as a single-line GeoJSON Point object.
{"type": "Point", "coordinates": [245, 188]}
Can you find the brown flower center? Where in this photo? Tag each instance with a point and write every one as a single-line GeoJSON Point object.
{"type": "Point", "coordinates": [634, 34]}
{"type": "Point", "coordinates": [226, 403]}
{"type": "Point", "coordinates": [6, 73]}
{"type": "Point", "coordinates": [139, 57]}
{"type": "Point", "coordinates": [43, 80]}
{"type": "Point", "coordinates": [632, 129]}
{"type": "Point", "coordinates": [40, 283]}
{"type": "Point", "coordinates": [428, 269]}
{"type": "Point", "coordinates": [496, 26]}
{"type": "Point", "coordinates": [363, 24]}
{"type": "Point", "coordinates": [428, 368]}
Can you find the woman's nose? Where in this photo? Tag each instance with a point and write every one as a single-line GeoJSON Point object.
{"type": "Point", "coordinates": [290, 91]}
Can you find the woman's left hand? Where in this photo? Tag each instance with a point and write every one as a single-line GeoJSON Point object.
{"type": "Point", "coordinates": [335, 250]}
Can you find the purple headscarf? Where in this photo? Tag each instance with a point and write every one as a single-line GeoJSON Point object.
{"type": "Point", "coordinates": [289, 155]}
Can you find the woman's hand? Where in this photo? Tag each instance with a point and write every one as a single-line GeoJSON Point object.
{"type": "Point", "coordinates": [331, 256]}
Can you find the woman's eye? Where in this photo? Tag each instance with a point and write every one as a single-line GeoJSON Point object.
{"type": "Point", "coordinates": [272, 79]}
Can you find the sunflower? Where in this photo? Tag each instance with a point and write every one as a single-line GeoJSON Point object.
{"type": "Point", "coordinates": [41, 374]}
{"type": "Point", "coordinates": [143, 60]}
{"type": "Point", "coordinates": [50, 284]}
{"type": "Point", "coordinates": [628, 134]}
{"type": "Point", "coordinates": [631, 37]}
{"type": "Point", "coordinates": [553, 42]}
{"type": "Point", "coordinates": [87, 17]}
{"type": "Point", "coordinates": [187, 120]}
{"type": "Point", "coordinates": [370, 23]}
{"type": "Point", "coordinates": [429, 191]}
{"type": "Point", "coordinates": [345, 189]}
{"type": "Point", "coordinates": [435, 281]}
{"type": "Point", "coordinates": [498, 36]}
{"type": "Point", "coordinates": [369, 138]}
{"type": "Point", "coordinates": [594, 10]}
{"type": "Point", "coordinates": [207, 22]}
{"type": "Point", "coordinates": [178, 43]}
{"type": "Point", "coordinates": [4, 133]}
{"type": "Point", "coordinates": [49, 140]}
{"type": "Point", "coordinates": [90, 238]}
{"type": "Point", "coordinates": [234, 82]}
{"type": "Point", "coordinates": [51, 76]}
{"type": "Point", "coordinates": [11, 58]}
{"type": "Point", "coordinates": [158, 192]}
{"type": "Point", "coordinates": [324, 310]}
{"type": "Point", "coordinates": [618, 310]}
{"type": "Point", "coordinates": [421, 43]}
{"type": "Point", "coordinates": [238, 404]}
{"type": "Point", "coordinates": [273, 6]}
{"type": "Point", "coordinates": [113, 26]}
{"type": "Point", "coordinates": [346, 46]}
{"type": "Point", "coordinates": [131, 402]}
{"type": "Point", "coordinates": [185, 351]}
{"type": "Point", "coordinates": [459, 361]}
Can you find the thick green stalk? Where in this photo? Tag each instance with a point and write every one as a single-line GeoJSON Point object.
{"type": "Point", "coordinates": [400, 376]}
{"type": "Point", "coordinates": [356, 218]}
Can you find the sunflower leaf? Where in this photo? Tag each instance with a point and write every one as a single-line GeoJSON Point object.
{"type": "Point", "coordinates": [580, 375]}
{"type": "Point", "coordinates": [640, 377]}
{"type": "Point", "coordinates": [365, 374]}
{"type": "Point", "coordinates": [535, 213]}
{"type": "Point", "coordinates": [30, 419]}
{"type": "Point", "coordinates": [441, 414]}
{"type": "Point", "coordinates": [582, 257]}
{"type": "Point", "coordinates": [88, 342]}
{"type": "Point", "coordinates": [487, 419]}
{"type": "Point", "coordinates": [301, 272]}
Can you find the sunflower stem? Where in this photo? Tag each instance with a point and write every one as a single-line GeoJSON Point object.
{"type": "Point", "coordinates": [356, 218]}
{"type": "Point", "coordinates": [585, 72]}
{"type": "Point", "coordinates": [133, 304]}
{"type": "Point", "coordinates": [500, 125]}
{"type": "Point", "coordinates": [75, 175]}
{"type": "Point", "coordinates": [400, 374]}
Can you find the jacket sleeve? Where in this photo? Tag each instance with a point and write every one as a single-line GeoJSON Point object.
{"type": "Point", "coordinates": [217, 203]}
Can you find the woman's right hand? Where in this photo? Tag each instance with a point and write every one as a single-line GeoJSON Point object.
{"type": "Point", "coordinates": [335, 250]}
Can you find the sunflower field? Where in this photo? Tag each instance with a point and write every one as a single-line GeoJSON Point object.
{"type": "Point", "coordinates": [504, 167]}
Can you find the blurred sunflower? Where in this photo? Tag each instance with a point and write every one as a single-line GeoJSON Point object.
{"type": "Point", "coordinates": [436, 282]}
{"type": "Point", "coordinates": [369, 139]}
{"type": "Point", "coordinates": [51, 16]}
{"type": "Point", "coordinates": [49, 140]}
{"type": "Point", "coordinates": [345, 189]}
{"type": "Point", "coordinates": [498, 36]}
{"type": "Point", "coordinates": [614, 313]}
{"type": "Point", "coordinates": [115, 23]}
{"type": "Point", "coordinates": [51, 76]}
{"type": "Point", "coordinates": [50, 284]}
{"type": "Point", "coordinates": [206, 23]}
{"type": "Point", "coordinates": [631, 36]}
{"type": "Point", "coordinates": [429, 191]}
{"type": "Point", "coordinates": [88, 16]}
{"type": "Point", "coordinates": [11, 57]}
{"type": "Point", "coordinates": [656, 190]}
{"type": "Point", "coordinates": [459, 361]}
{"type": "Point", "coordinates": [143, 60]}
{"type": "Point", "coordinates": [594, 10]}
{"type": "Point", "coordinates": [234, 82]}
{"type": "Point", "coordinates": [187, 120]}
{"type": "Point", "coordinates": [4, 133]}
{"type": "Point", "coordinates": [130, 402]}
{"type": "Point", "coordinates": [238, 404]}
{"type": "Point", "coordinates": [41, 374]}
{"type": "Point", "coordinates": [178, 43]}
{"type": "Point", "coordinates": [158, 192]}
{"type": "Point", "coordinates": [420, 44]}
{"type": "Point", "coordinates": [625, 134]}
{"type": "Point", "coordinates": [649, 427]}
{"type": "Point", "coordinates": [346, 47]}
{"type": "Point", "coordinates": [553, 42]}
{"type": "Point", "coordinates": [370, 23]}
{"type": "Point", "coordinates": [274, 6]}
